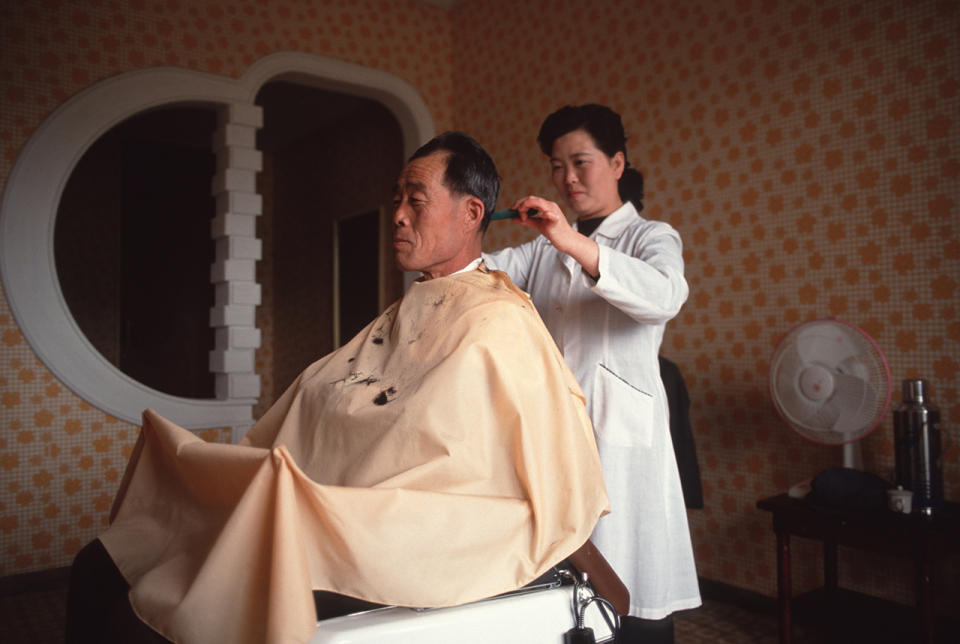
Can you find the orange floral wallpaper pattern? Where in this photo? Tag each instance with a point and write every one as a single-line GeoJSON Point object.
{"type": "Point", "coordinates": [807, 151]}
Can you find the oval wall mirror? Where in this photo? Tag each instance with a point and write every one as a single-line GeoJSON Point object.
{"type": "Point", "coordinates": [133, 250]}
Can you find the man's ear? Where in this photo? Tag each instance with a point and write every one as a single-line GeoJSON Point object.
{"type": "Point", "coordinates": [473, 214]}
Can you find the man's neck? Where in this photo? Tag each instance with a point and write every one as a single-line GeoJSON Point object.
{"type": "Point", "coordinates": [468, 266]}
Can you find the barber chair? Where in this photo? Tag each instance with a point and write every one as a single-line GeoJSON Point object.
{"type": "Point", "coordinates": [576, 602]}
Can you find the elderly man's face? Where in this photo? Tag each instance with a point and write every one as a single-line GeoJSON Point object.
{"type": "Point", "coordinates": [431, 228]}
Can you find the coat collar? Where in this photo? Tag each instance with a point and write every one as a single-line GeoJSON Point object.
{"type": "Point", "coordinates": [611, 228]}
{"type": "Point", "coordinates": [617, 221]}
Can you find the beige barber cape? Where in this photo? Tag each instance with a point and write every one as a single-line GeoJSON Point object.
{"type": "Point", "coordinates": [442, 456]}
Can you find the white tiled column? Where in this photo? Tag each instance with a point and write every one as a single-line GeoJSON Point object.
{"type": "Point", "coordinates": [233, 272]}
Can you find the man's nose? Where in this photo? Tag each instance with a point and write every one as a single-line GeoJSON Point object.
{"type": "Point", "coordinates": [401, 216]}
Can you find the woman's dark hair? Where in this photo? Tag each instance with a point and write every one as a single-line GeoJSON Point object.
{"type": "Point", "coordinates": [606, 129]}
{"type": "Point", "coordinates": [470, 169]}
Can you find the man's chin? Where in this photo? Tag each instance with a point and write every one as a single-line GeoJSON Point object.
{"type": "Point", "coordinates": [402, 265]}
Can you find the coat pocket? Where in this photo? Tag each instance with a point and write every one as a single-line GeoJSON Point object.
{"type": "Point", "coordinates": [622, 414]}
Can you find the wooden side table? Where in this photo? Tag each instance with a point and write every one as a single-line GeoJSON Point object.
{"type": "Point", "coordinates": [924, 541]}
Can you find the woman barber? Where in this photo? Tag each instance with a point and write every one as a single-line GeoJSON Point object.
{"type": "Point", "coordinates": [605, 288]}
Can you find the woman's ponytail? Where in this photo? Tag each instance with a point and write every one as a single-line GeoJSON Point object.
{"type": "Point", "coordinates": [630, 187]}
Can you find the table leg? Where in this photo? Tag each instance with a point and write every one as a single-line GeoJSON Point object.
{"type": "Point", "coordinates": [925, 600]}
{"type": "Point", "coordinates": [784, 586]}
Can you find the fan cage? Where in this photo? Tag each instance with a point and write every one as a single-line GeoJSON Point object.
{"type": "Point", "coordinates": [830, 437]}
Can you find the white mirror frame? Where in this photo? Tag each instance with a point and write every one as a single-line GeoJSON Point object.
{"type": "Point", "coordinates": [32, 196]}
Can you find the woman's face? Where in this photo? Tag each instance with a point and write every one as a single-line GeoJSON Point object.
{"type": "Point", "coordinates": [585, 176]}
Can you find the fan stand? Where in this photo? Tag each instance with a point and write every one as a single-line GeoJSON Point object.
{"type": "Point", "coordinates": [852, 455]}
{"type": "Point", "coordinates": [852, 458]}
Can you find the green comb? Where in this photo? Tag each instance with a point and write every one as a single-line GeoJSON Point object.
{"type": "Point", "coordinates": [510, 213]}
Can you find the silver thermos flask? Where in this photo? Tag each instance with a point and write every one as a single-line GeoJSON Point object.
{"type": "Point", "coordinates": [916, 434]}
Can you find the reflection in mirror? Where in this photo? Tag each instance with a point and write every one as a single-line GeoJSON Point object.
{"type": "Point", "coordinates": [133, 248]}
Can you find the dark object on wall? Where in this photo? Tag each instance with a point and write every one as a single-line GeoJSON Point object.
{"type": "Point", "coordinates": [678, 400]}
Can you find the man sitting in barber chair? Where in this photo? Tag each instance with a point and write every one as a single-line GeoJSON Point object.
{"type": "Point", "coordinates": [442, 456]}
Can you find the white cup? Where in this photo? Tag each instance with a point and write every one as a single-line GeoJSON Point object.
{"type": "Point", "coordinates": [900, 500]}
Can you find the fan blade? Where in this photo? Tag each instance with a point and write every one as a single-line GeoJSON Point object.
{"type": "Point", "coordinates": [784, 370]}
{"type": "Point", "coordinates": [795, 407]}
{"type": "Point", "coordinates": [858, 401]}
{"type": "Point", "coordinates": [855, 366]}
{"type": "Point", "coordinates": [827, 344]}
{"type": "Point", "coordinates": [826, 415]}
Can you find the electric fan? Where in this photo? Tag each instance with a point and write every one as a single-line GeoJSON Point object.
{"type": "Point", "coordinates": [830, 382]}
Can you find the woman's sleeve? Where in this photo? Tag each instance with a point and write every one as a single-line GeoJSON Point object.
{"type": "Point", "coordinates": [646, 282]}
{"type": "Point", "coordinates": [515, 262]}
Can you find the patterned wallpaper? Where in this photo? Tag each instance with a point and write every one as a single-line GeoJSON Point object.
{"type": "Point", "coordinates": [808, 152]}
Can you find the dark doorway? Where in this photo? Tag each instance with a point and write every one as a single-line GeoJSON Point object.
{"type": "Point", "coordinates": [328, 157]}
{"type": "Point", "coordinates": [357, 240]}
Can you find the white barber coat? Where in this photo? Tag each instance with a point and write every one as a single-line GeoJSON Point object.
{"type": "Point", "coordinates": [609, 332]}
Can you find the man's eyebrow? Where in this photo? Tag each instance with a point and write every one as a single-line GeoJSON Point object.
{"type": "Point", "coordinates": [412, 186]}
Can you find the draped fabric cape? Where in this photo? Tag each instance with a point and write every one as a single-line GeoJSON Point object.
{"type": "Point", "coordinates": [443, 455]}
